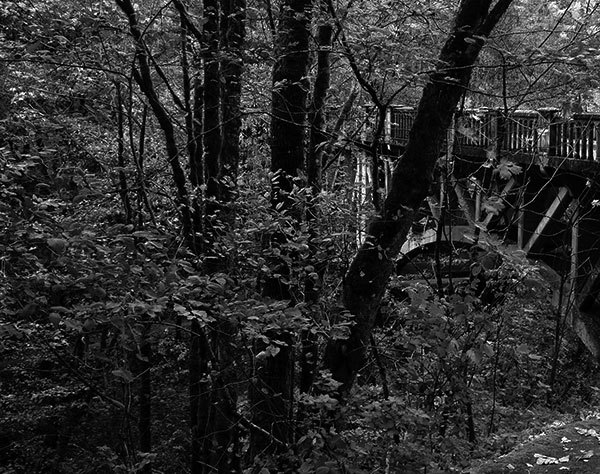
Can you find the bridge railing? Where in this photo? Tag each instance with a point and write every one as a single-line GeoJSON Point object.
{"type": "Point", "coordinates": [576, 138]}
{"type": "Point", "coordinates": [541, 131]}
{"type": "Point", "coordinates": [523, 132]}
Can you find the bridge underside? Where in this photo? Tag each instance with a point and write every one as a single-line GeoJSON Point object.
{"type": "Point", "coordinates": [528, 180]}
{"type": "Point", "coordinates": [546, 207]}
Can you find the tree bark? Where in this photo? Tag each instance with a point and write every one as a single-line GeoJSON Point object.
{"type": "Point", "coordinates": [144, 79]}
{"type": "Point", "coordinates": [369, 272]}
{"type": "Point", "coordinates": [123, 187]}
{"type": "Point", "coordinates": [233, 34]}
{"type": "Point", "coordinates": [288, 104]}
{"type": "Point", "coordinates": [212, 98]}
{"type": "Point", "coordinates": [144, 364]}
{"type": "Point", "coordinates": [314, 165]}
{"type": "Point", "coordinates": [199, 389]}
{"type": "Point", "coordinates": [272, 391]}
{"type": "Point", "coordinates": [316, 115]}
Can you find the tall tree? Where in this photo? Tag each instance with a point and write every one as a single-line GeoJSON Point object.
{"type": "Point", "coordinates": [212, 98]}
{"type": "Point", "coordinates": [318, 137]}
{"type": "Point", "coordinates": [288, 106]}
{"type": "Point", "coordinates": [232, 39]}
{"type": "Point", "coordinates": [143, 76]}
{"type": "Point", "coordinates": [272, 392]}
{"type": "Point", "coordinates": [368, 275]}
{"type": "Point", "coordinates": [215, 431]}
{"type": "Point", "coordinates": [314, 165]}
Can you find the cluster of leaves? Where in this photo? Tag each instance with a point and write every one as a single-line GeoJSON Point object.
{"type": "Point", "coordinates": [459, 368]}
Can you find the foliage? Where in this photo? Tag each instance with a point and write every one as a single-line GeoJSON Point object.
{"type": "Point", "coordinates": [98, 296]}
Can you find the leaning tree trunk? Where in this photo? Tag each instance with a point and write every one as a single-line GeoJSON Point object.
{"type": "Point", "coordinates": [368, 275]}
{"type": "Point", "coordinates": [271, 393]}
{"type": "Point", "coordinates": [143, 77]}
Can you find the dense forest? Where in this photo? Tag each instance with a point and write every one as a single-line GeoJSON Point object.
{"type": "Point", "coordinates": [206, 213]}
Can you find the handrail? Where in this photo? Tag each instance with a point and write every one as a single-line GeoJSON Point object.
{"type": "Point", "coordinates": [536, 132]}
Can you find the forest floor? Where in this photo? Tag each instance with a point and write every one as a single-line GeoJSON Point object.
{"type": "Point", "coordinates": [571, 447]}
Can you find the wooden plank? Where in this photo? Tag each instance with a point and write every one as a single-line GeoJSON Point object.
{"type": "Point", "coordinates": [554, 136]}
{"type": "Point", "coordinates": [548, 216]}
{"type": "Point", "coordinates": [577, 140]}
{"type": "Point", "coordinates": [574, 245]}
{"type": "Point", "coordinates": [571, 151]}
{"type": "Point", "coordinates": [595, 142]}
{"type": "Point", "coordinates": [521, 229]}
{"type": "Point", "coordinates": [478, 201]}
{"type": "Point", "coordinates": [458, 233]}
{"type": "Point", "coordinates": [590, 141]}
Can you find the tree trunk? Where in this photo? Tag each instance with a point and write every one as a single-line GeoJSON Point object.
{"type": "Point", "coordinates": [123, 187]}
{"type": "Point", "coordinates": [200, 413]}
{"type": "Point", "coordinates": [271, 393]}
{"type": "Point", "coordinates": [368, 275]}
{"type": "Point", "coordinates": [212, 98]}
{"type": "Point", "coordinates": [233, 34]}
{"type": "Point", "coordinates": [289, 97]}
{"type": "Point", "coordinates": [318, 138]}
{"type": "Point", "coordinates": [145, 396]}
{"type": "Point", "coordinates": [314, 165]}
{"type": "Point", "coordinates": [144, 79]}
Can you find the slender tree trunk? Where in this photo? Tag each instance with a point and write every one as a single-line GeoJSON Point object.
{"type": "Point", "coordinates": [368, 275]}
{"type": "Point", "coordinates": [145, 397]}
{"type": "Point", "coordinates": [289, 97]}
{"type": "Point", "coordinates": [226, 435]}
{"type": "Point", "coordinates": [192, 100]}
{"type": "Point", "coordinates": [225, 456]}
{"type": "Point", "coordinates": [233, 34]}
{"type": "Point", "coordinates": [271, 394]}
{"type": "Point", "coordinates": [314, 164]}
{"type": "Point", "coordinates": [316, 116]}
{"type": "Point", "coordinates": [188, 90]}
{"type": "Point", "coordinates": [123, 189]}
{"type": "Point", "coordinates": [200, 406]}
{"type": "Point", "coordinates": [196, 374]}
{"type": "Point", "coordinates": [217, 113]}
{"type": "Point", "coordinates": [142, 195]}
{"type": "Point", "coordinates": [212, 98]}
{"type": "Point", "coordinates": [144, 79]}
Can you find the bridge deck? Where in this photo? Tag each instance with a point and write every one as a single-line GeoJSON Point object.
{"type": "Point", "coordinates": [526, 136]}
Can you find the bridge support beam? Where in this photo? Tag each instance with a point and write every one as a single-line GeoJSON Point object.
{"type": "Point", "coordinates": [548, 216]}
{"type": "Point", "coordinates": [521, 228]}
{"type": "Point", "coordinates": [587, 329]}
{"type": "Point", "coordinates": [574, 244]}
{"type": "Point", "coordinates": [477, 201]}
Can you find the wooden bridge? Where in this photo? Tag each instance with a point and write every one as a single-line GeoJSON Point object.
{"type": "Point", "coordinates": [528, 178]}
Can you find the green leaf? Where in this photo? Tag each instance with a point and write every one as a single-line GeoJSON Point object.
{"type": "Point", "coordinates": [58, 246]}
{"type": "Point", "coordinates": [54, 318]}
{"type": "Point", "coordinates": [507, 169]}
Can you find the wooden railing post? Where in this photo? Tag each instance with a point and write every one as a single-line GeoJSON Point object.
{"type": "Point", "coordinates": [550, 121]}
